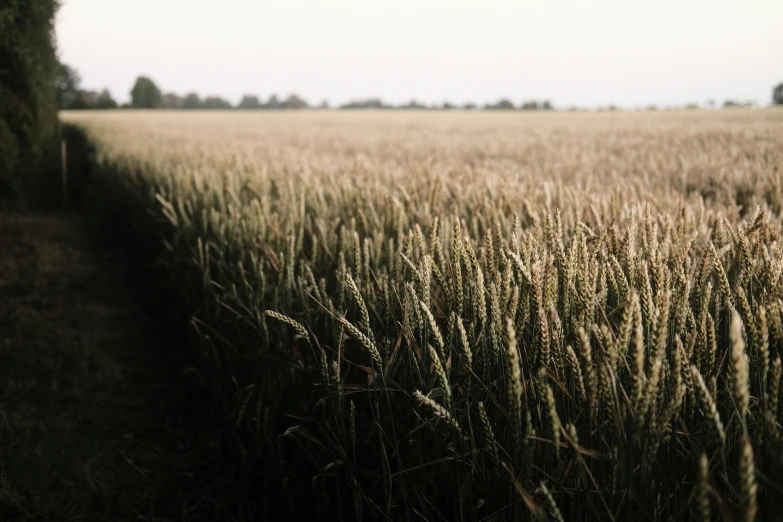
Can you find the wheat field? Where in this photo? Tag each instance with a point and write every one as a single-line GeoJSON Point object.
{"type": "Point", "coordinates": [470, 315]}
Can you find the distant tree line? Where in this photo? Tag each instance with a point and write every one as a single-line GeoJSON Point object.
{"type": "Point", "coordinates": [145, 94]}
{"type": "Point", "coordinates": [728, 104]}
{"type": "Point", "coordinates": [503, 104]}
{"type": "Point", "coordinates": [71, 96]}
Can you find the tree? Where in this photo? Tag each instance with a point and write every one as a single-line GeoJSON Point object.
{"type": "Point", "coordinates": [777, 94]}
{"type": "Point", "coordinates": [413, 105]}
{"type": "Point", "coordinates": [28, 94]}
{"type": "Point", "coordinates": [249, 102]}
{"type": "Point", "coordinates": [145, 94]}
{"type": "Point", "coordinates": [191, 101]}
{"type": "Point", "coordinates": [295, 102]}
{"type": "Point", "coordinates": [215, 102]}
{"type": "Point", "coordinates": [171, 101]}
{"type": "Point", "coordinates": [369, 103]}
{"type": "Point", "coordinates": [105, 101]}
{"type": "Point", "coordinates": [70, 95]}
{"type": "Point", "coordinates": [728, 104]}
{"type": "Point", "coordinates": [273, 102]}
{"type": "Point", "coordinates": [502, 105]}
{"type": "Point", "coordinates": [67, 81]}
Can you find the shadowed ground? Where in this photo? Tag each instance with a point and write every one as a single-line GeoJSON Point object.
{"type": "Point", "coordinates": [88, 398]}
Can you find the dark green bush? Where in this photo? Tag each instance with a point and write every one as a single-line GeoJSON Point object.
{"type": "Point", "coordinates": [28, 105]}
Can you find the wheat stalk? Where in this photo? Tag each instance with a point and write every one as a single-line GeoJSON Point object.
{"type": "Point", "coordinates": [438, 410]}
{"type": "Point", "coordinates": [739, 368]}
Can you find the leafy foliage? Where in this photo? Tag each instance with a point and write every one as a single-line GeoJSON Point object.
{"type": "Point", "coordinates": [145, 94]}
{"type": "Point", "coordinates": [28, 112]}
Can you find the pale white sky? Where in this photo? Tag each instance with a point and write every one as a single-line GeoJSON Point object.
{"type": "Point", "coordinates": [626, 52]}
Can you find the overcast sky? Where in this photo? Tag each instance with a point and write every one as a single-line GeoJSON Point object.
{"type": "Point", "coordinates": [587, 53]}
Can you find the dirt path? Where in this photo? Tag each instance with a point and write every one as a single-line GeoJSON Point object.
{"type": "Point", "coordinates": [88, 397]}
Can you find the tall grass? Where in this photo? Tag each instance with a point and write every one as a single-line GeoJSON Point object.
{"type": "Point", "coordinates": [469, 316]}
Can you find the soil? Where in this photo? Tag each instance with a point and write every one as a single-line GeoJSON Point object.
{"type": "Point", "coordinates": [89, 388]}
